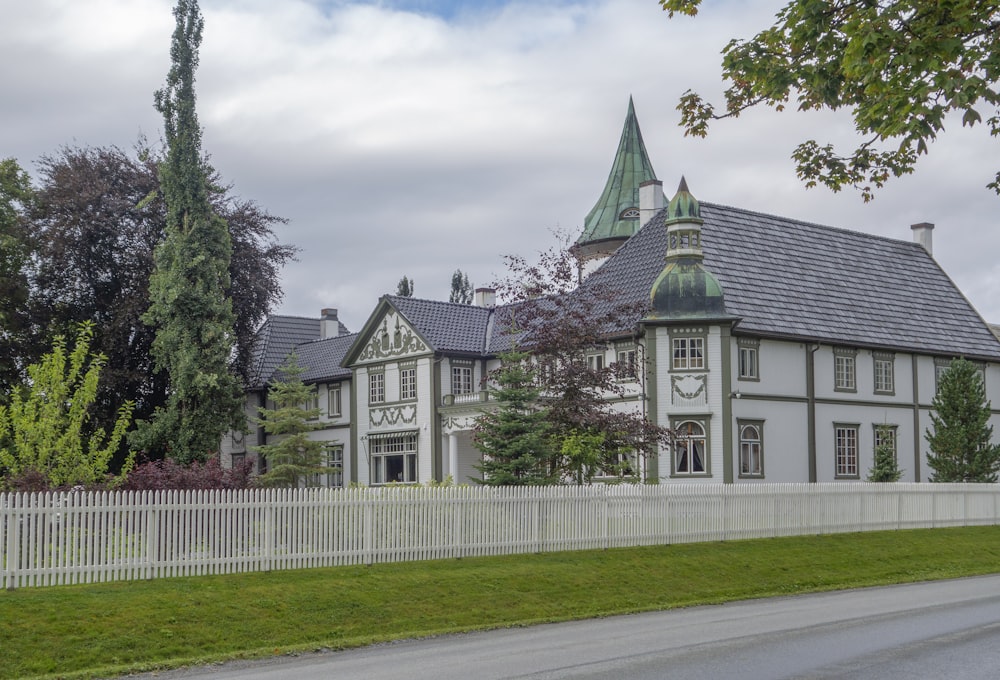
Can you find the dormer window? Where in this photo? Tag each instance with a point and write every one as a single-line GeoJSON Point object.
{"type": "Point", "coordinates": [629, 214]}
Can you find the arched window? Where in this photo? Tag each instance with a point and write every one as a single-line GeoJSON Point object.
{"type": "Point", "coordinates": [689, 456]}
{"type": "Point", "coordinates": [751, 460]}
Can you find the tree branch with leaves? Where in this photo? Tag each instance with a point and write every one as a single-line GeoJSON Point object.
{"type": "Point", "coordinates": [904, 68]}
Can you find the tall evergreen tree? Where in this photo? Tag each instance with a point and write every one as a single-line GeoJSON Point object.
{"type": "Point", "coordinates": [461, 289]}
{"type": "Point", "coordinates": [188, 303]}
{"type": "Point", "coordinates": [515, 439]}
{"type": "Point", "coordinates": [961, 441]}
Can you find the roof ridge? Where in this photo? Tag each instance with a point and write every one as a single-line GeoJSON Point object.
{"type": "Point", "coordinates": [864, 234]}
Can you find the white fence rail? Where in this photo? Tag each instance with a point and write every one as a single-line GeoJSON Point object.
{"type": "Point", "coordinates": [82, 537]}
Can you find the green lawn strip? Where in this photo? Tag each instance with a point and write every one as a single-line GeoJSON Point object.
{"type": "Point", "coordinates": [102, 629]}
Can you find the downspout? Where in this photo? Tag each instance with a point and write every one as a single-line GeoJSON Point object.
{"type": "Point", "coordinates": [916, 420]}
{"type": "Point", "coordinates": [811, 409]}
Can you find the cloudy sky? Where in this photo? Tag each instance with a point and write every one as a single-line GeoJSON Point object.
{"type": "Point", "coordinates": [419, 136]}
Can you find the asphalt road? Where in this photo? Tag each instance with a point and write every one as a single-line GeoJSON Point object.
{"type": "Point", "coordinates": [945, 629]}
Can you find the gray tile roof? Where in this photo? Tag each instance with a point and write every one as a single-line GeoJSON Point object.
{"type": "Point", "coordinates": [321, 358]}
{"type": "Point", "coordinates": [788, 278]}
{"type": "Point", "coordinates": [447, 326]}
{"type": "Point", "coordinates": [274, 341]}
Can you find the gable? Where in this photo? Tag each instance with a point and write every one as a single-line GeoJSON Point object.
{"type": "Point", "coordinates": [387, 335]}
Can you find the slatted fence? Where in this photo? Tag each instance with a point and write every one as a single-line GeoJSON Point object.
{"type": "Point", "coordinates": [83, 537]}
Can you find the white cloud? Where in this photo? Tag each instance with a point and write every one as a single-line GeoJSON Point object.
{"type": "Point", "coordinates": [404, 142]}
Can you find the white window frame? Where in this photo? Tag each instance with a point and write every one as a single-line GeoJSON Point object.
{"type": "Point", "coordinates": [595, 361]}
{"type": "Point", "coordinates": [884, 373]}
{"type": "Point", "coordinates": [408, 382]}
{"type": "Point", "coordinates": [461, 379]}
{"type": "Point", "coordinates": [749, 362]}
{"type": "Point", "coordinates": [845, 451]}
{"type": "Point", "coordinates": [376, 387]}
{"type": "Point", "coordinates": [393, 459]}
{"type": "Point", "coordinates": [845, 370]}
{"type": "Point", "coordinates": [627, 367]}
{"type": "Point", "coordinates": [692, 439]}
{"type": "Point", "coordinates": [332, 456]}
{"type": "Point", "coordinates": [334, 401]}
{"type": "Point", "coordinates": [688, 353]}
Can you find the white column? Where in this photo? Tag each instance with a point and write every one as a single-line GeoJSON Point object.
{"type": "Point", "coordinates": [453, 456]}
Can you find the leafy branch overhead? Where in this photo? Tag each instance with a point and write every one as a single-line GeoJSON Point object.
{"type": "Point", "coordinates": [904, 68]}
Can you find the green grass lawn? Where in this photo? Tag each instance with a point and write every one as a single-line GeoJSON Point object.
{"type": "Point", "coordinates": [92, 630]}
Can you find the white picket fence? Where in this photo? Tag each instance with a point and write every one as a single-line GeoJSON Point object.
{"type": "Point", "coordinates": [83, 537]}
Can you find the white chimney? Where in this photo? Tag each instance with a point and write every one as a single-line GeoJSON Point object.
{"type": "Point", "coordinates": [922, 234]}
{"type": "Point", "coordinates": [486, 297]}
{"type": "Point", "coordinates": [651, 200]}
{"type": "Point", "coordinates": [329, 324]}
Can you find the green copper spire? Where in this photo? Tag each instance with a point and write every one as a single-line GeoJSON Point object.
{"type": "Point", "coordinates": [616, 214]}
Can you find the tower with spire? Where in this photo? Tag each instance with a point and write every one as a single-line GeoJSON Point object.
{"type": "Point", "coordinates": [616, 216]}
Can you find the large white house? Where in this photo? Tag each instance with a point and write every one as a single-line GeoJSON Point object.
{"type": "Point", "coordinates": [780, 350]}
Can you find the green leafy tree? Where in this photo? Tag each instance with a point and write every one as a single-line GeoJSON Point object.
{"type": "Point", "coordinates": [97, 216]}
{"type": "Point", "coordinates": [405, 287]}
{"type": "Point", "coordinates": [189, 307]}
{"type": "Point", "coordinates": [44, 428]}
{"type": "Point", "coordinates": [961, 448]}
{"type": "Point", "coordinates": [294, 458]}
{"type": "Point", "coordinates": [515, 439]}
{"type": "Point", "coordinates": [885, 467]}
{"type": "Point", "coordinates": [461, 289]}
{"type": "Point", "coordinates": [15, 200]}
{"type": "Point", "coordinates": [903, 67]}
{"type": "Point", "coordinates": [559, 323]}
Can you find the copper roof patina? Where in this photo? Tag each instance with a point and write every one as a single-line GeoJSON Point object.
{"type": "Point", "coordinates": [615, 216]}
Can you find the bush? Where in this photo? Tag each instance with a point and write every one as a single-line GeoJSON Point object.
{"type": "Point", "coordinates": [169, 474]}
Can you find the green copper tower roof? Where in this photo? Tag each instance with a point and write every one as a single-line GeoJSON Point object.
{"type": "Point", "coordinates": [616, 214]}
{"type": "Point", "coordinates": [685, 290]}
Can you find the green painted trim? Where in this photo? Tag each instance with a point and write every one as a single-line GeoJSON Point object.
{"type": "Point", "coordinates": [811, 409]}
{"type": "Point", "coordinates": [759, 424]}
{"type": "Point", "coordinates": [651, 389]}
{"type": "Point", "coordinates": [355, 443]}
{"type": "Point", "coordinates": [437, 462]}
{"type": "Point", "coordinates": [916, 418]}
{"type": "Point", "coordinates": [726, 338]}
{"type": "Point", "coordinates": [703, 419]}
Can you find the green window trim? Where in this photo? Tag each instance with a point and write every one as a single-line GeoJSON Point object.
{"type": "Point", "coordinates": [846, 450]}
{"type": "Point", "coordinates": [750, 435]}
{"type": "Point", "coordinates": [884, 373]}
{"type": "Point", "coordinates": [845, 369]}
{"type": "Point", "coordinates": [686, 457]}
{"type": "Point", "coordinates": [748, 359]}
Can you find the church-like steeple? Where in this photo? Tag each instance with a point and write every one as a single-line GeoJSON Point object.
{"type": "Point", "coordinates": [615, 216]}
{"type": "Point", "coordinates": [685, 289]}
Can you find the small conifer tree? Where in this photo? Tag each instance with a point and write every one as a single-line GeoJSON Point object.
{"type": "Point", "coordinates": [515, 439]}
{"type": "Point", "coordinates": [961, 448]}
{"type": "Point", "coordinates": [885, 468]}
{"type": "Point", "coordinates": [294, 458]}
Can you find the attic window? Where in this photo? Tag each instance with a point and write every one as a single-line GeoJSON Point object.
{"type": "Point", "coordinates": [629, 214]}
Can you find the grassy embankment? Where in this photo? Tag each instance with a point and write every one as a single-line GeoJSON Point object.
{"type": "Point", "coordinates": [83, 631]}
